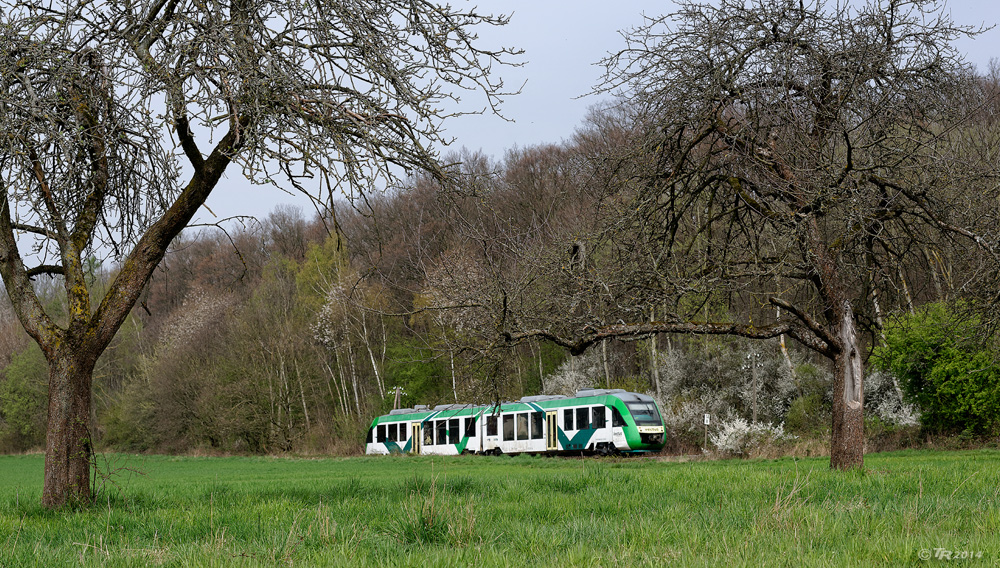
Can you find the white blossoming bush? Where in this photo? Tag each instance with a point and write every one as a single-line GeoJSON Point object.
{"type": "Point", "coordinates": [884, 400]}
{"type": "Point", "coordinates": [201, 309]}
{"type": "Point", "coordinates": [685, 411]}
{"type": "Point", "coordinates": [585, 371]}
{"type": "Point", "coordinates": [737, 437]}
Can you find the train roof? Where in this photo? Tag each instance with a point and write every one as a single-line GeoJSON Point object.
{"type": "Point", "coordinates": [542, 397]}
{"type": "Point", "coordinates": [634, 397]}
{"type": "Point", "coordinates": [599, 392]}
{"type": "Point", "coordinates": [421, 412]}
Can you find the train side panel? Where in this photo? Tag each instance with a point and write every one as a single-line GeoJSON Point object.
{"type": "Point", "coordinates": [601, 421]}
{"type": "Point", "coordinates": [391, 435]}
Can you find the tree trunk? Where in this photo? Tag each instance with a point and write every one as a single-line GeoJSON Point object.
{"type": "Point", "coordinates": [541, 371]}
{"type": "Point", "coordinates": [342, 385]}
{"type": "Point", "coordinates": [604, 359]}
{"type": "Point", "coordinates": [754, 387]}
{"type": "Point", "coordinates": [354, 374]}
{"type": "Point", "coordinates": [302, 393]}
{"type": "Point", "coordinates": [938, 289]}
{"type": "Point", "coordinates": [654, 356]}
{"type": "Point", "coordinates": [68, 446]}
{"type": "Point", "coordinates": [336, 400]}
{"type": "Point", "coordinates": [454, 387]}
{"type": "Point", "coordinates": [906, 290]}
{"type": "Point", "coordinates": [371, 355]}
{"type": "Point", "coordinates": [847, 436]}
{"type": "Point", "coordinates": [788, 360]}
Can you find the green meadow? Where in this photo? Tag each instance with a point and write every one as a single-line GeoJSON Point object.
{"type": "Point", "coordinates": [915, 508]}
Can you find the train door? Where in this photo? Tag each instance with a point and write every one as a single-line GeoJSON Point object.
{"type": "Point", "coordinates": [415, 437]}
{"type": "Point", "coordinates": [551, 439]}
{"type": "Point", "coordinates": [481, 429]}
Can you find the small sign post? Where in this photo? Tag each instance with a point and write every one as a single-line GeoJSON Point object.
{"type": "Point", "coordinates": [706, 431]}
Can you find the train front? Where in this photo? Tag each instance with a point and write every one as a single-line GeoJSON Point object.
{"type": "Point", "coordinates": [643, 429]}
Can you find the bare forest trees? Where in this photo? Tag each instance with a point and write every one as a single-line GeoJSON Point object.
{"type": "Point", "coordinates": [765, 154]}
{"type": "Point", "coordinates": [797, 150]}
{"type": "Point", "coordinates": [230, 358]}
{"type": "Point", "coordinates": [350, 324]}
{"type": "Point", "coordinates": [118, 119]}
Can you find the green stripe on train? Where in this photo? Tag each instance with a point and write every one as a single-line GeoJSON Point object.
{"type": "Point", "coordinates": [394, 448]}
{"type": "Point", "coordinates": [578, 441]}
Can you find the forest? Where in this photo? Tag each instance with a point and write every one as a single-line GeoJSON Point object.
{"type": "Point", "coordinates": [288, 334]}
{"type": "Point", "coordinates": [783, 216]}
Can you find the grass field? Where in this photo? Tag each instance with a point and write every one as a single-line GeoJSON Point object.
{"type": "Point", "coordinates": [520, 511]}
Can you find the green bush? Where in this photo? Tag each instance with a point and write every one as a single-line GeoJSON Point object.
{"type": "Point", "coordinates": [422, 375]}
{"type": "Point", "coordinates": [127, 423]}
{"type": "Point", "coordinates": [945, 368]}
{"type": "Point", "coordinates": [965, 389]}
{"type": "Point", "coordinates": [23, 390]}
{"type": "Point", "coordinates": [808, 416]}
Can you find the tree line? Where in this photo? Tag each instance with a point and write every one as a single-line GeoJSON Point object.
{"type": "Point", "coordinates": [289, 334]}
{"type": "Point", "coordinates": [765, 170]}
{"type": "Point", "coordinates": [261, 339]}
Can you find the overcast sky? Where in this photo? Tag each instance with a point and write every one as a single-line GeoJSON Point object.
{"type": "Point", "coordinates": [562, 41]}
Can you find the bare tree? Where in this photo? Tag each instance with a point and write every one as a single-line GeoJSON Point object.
{"type": "Point", "coordinates": [117, 120]}
{"type": "Point", "coordinates": [779, 153]}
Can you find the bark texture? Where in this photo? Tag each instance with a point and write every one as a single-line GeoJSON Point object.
{"type": "Point", "coordinates": [68, 446]}
{"type": "Point", "coordinates": [847, 435]}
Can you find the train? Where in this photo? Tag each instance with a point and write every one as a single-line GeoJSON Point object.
{"type": "Point", "coordinates": [594, 421]}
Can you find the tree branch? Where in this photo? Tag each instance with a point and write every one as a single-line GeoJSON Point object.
{"type": "Point", "coordinates": [34, 230]}
{"type": "Point", "coordinates": [931, 215]}
{"type": "Point", "coordinates": [57, 219]}
{"type": "Point", "coordinates": [148, 252]}
{"type": "Point", "coordinates": [18, 284]}
{"type": "Point", "coordinates": [51, 269]}
{"type": "Point", "coordinates": [810, 322]}
{"type": "Point", "coordinates": [576, 346]}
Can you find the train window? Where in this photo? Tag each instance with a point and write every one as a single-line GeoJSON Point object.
{"type": "Point", "coordinates": [644, 413]}
{"type": "Point", "coordinates": [599, 419]}
{"type": "Point", "coordinates": [453, 432]}
{"type": "Point", "coordinates": [368, 440]}
{"type": "Point", "coordinates": [568, 419]}
{"type": "Point", "coordinates": [442, 432]}
{"type": "Point", "coordinates": [583, 418]}
{"type": "Point", "coordinates": [381, 433]}
{"type": "Point", "coordinates": [391, 432]}
{"type": "Point", "coordinates": [491, 425]}
{"type": "Point", "coordinates": [508, 427]}
{"type": "Point", "coordinates": [522, 426]}
{"type": "Point", "coordinates": [428, 433]}
{"type": "Point", "coordinates": [470, 427]}
{"type": "Point", "coordinates": [537, 419]}
{"type": "Point", "coordinates": [616, 418]}
{"type": "Point", "coordinates": [403, 434]}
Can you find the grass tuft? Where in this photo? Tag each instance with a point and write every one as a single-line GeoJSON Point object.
{"type": "Point", "coordinates": [433, 520]}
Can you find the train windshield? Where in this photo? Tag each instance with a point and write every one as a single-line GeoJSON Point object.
{"type": "Point", "coordinates": [644, 413]}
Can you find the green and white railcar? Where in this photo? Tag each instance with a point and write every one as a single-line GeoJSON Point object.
{"type": "Point", "coordinates": [601, 421]}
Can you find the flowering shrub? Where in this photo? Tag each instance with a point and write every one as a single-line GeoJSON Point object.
{"type": "Point", "coordinates": [200, 310]}
{"type": "Point", "coordinates": [738, 437]}
{"type": "Point", "coordinates": [884, 399]}
{"type": "Point", "coordinates": [584, 371]}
